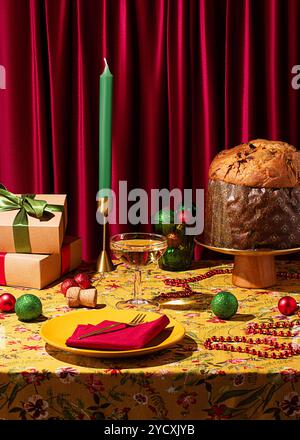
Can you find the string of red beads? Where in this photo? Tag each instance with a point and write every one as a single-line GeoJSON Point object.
{"type": "Point", "coordinates": [187, 290]}
{"type": "Point", "coordinates": [284, 350]}
{"type": "Point", "coordinates": [270, 329]}
{"type": "Point", "coordinates": [220, 343]}
{"type": "Point", "coordinates": [184, 283]}
{"type": "Point", "coordinates": [288, 275]}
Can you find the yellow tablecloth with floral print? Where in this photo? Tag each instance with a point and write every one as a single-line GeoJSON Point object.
{"type": "Point", "coordinates": [183, 382]}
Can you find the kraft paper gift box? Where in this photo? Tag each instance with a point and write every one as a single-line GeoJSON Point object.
{"type": "Point", "coordinates": [22, 231]}
{"type": "Point", "coordinates": [36, 271]}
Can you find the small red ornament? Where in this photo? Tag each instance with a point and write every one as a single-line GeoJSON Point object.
{"type": "Point", "coordinates": [83, 280]}
{"type": "Point", "coordinates": [7, 302]}
{"type": "Point", "coordinates": [68, 282]}
{"type": "Point", "coordinates": [287, 305]}
{"type": "Point", "coordinates": [184, 216]}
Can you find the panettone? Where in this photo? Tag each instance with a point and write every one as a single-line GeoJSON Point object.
{"type": "Point", "coordinates": [253, 197]}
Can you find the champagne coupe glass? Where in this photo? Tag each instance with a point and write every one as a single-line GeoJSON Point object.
{"type": "Point", "coordinates": [138, 250]}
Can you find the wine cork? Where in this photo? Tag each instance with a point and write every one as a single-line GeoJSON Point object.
{"type": "Point", "coordinates": [88, 297]}
{"type": "Point", "coordinates": [72, 296]}
{"type": "Point", "coordinates": [77, 297]}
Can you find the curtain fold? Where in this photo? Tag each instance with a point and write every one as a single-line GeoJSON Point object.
{"type": "Point", "coordinates": [190, 78]}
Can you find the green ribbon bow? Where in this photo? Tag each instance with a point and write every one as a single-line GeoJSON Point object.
{"type": "Point", "coordinates": [27, 205]}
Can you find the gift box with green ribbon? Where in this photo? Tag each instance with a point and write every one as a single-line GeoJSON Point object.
{"type": "Point", "coordinates": [32, 223]}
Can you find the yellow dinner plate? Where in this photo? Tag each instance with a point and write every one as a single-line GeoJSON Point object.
{"type": "Point", "coordinates": [57, 330]}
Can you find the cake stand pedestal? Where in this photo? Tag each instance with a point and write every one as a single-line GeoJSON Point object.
{"type": "Point", "coordinates": [253, 269]}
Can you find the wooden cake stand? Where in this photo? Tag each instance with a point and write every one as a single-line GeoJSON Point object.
{"type": "Point", "coordinates": [252, 268]}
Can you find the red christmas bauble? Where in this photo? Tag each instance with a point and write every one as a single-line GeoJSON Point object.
{"type": "Point", "coordinates": [83, 280]}
{"type": "Point", "coordinates": [7, 302]}
{"type": "Point", "coordinates": [287, 305]}
{"type": "Point", "coordinates": [68, 282]}
{"type": "Point", "coordinates": [184, 216]}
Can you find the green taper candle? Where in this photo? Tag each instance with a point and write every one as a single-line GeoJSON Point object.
{"type": "Point", "coordinates": [105, 118]}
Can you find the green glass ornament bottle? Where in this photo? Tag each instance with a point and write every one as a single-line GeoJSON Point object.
{"type": "Point", "coordinates": [164, 220]}
{"type": "Point", "coordinates": [179, 254]}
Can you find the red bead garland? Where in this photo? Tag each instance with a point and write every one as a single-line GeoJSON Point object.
{"type": "Point", "coordinates": [266, 329]}
{"type": "Point", "coordinates": [284, 349]}
{"type": "Point", "coordinates": [185, 283]}
{"type": "Point", "coordinates": [187, 290]}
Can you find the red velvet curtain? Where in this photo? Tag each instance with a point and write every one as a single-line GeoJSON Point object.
{"type": "Point", "coordinates": [191, 77]}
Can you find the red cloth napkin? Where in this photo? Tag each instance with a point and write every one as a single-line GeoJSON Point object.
{"type": "Point", "coordinates": [121, 337]}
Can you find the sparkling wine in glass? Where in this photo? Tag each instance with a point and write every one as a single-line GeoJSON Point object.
{"type": "Point", "coordinates": [138, 250]}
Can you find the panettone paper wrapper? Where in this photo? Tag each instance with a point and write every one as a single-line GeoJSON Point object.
{"type": "Point", "coordinates": [243, 217]}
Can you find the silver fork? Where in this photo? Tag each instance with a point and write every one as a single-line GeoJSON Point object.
{"type": "Point", "coordinates": [138, 319]}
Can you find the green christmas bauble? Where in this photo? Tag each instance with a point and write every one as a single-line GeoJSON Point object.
{"type": "Point", "coordinates": [224, 305]}
{"type": "Point", "coordinates": [164, 216]}
{"type": "Point", "coordinates": [28, 307]}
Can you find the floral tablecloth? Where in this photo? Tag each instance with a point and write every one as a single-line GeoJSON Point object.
{"type": "Point", "coordinates": [183, 382]}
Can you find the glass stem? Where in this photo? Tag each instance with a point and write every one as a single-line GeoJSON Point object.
{"type": "Point", "coordinates": [137, 284]}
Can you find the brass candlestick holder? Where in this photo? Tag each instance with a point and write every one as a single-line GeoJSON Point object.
{"type": "Point", "coordinates": [104, 263]}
